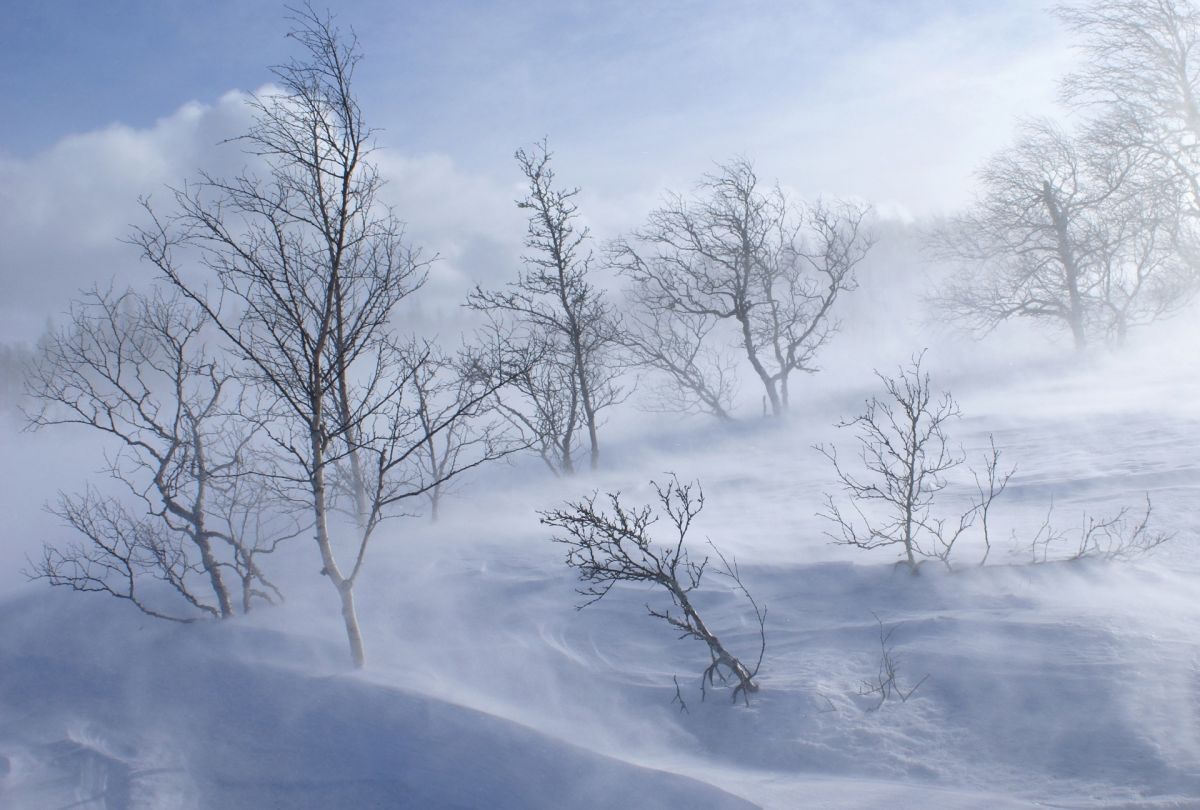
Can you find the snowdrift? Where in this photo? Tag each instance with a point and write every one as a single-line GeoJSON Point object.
{"type": "Point", "coordinates": [1073, 684]}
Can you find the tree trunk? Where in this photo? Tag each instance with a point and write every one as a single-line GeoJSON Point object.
{"type": "Point", "coordinates": [568, 464]}
{"type": "Point", "coordinates": [768, 383]}
{"type": "Point", "coordinates": [224, 601]}
{"type": "Point", "coordinates": [214, 574]}
{"type": "Point", "coordinates": [1066, 255]}
{"type": "Point", "coordinates": [350, 617]}
{"type": "Point", "coordinates": [357, 479]}
{"type": "Point", "coordinates": [581, 376]}
{"type": "Point", "coordinates": [719, 654]}
{"type": "Point", "coordinates": [344, 586]}
{"type": "Point", "coordinates": [589, 411]}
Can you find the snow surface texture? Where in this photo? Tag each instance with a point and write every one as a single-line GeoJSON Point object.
{"type": "Point", "coordinates": [1064, 684]}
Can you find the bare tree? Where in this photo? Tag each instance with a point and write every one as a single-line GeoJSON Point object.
{"type": "Point", "coordinates": [1141, 81]}
{"type": "Point", "coordinates": [1029, 234]}
{"type": "Point", "coordinates": [302, 270]}
{"type": "Point", "coordinates": [1145, 236]}
{"type": "Point", "coordinates": [738, 252]}
{"type": "Point", "coordinates": [1070, 230]}
{"type": "Point", "coordinates": [441, 386]}
{"type": "Point", "coordinates": [699, 377]}
{"type": "Point", "coordinates": [562, 320]}
{"type": "Point", "coordinates": [134, 367]}
{"type": "Point", "coordinates": [614, 544]}
{"type": "Point", "coordinates": [907, 459]}
{"type": "Point", "coordinates": [1142, 70]}
{"type": "Point", "coordinates": [540, 400]}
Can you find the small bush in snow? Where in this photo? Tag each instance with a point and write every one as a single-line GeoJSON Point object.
{"type": "Point", "coordinates": [886, 684]}
{"type": "Point", "coordinates": [1118, 537]}
{"type": "Point", "coordinates": [906, 460]}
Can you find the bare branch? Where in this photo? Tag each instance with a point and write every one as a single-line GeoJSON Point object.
{"type": "Point", "coordinates": [609, 542]}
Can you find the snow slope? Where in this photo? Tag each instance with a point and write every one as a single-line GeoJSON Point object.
{"type": "Point", "coordinates": [191, 725]}
{"type": "Point", "coordinates": [1064, 684]}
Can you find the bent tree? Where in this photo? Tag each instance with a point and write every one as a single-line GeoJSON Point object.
{"type": "Point", "coordinates": [609, 542]}
{"type": "Point", "coordinates": [301, 268]}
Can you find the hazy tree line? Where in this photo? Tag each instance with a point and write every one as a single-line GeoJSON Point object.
{"type": "Point", "coordinates": [264, 389]}
{"type": "Point", "coordinates": [1092, 228]}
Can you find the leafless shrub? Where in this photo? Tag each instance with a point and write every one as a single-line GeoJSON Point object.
{"type": "Point", "coordinates": [1119, 537]}
{"type": "Point", "coordinates": [988, 486]}
{"type": "Point", "coordinates": [886, 684]}
{"type": "Point", "coordinates": [612, 543]}
{"type": "Point", "coordinates": [907, 458]}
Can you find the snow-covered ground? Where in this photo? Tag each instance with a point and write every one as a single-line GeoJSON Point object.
{"type": "Point", "coordinates": [1063, 684]}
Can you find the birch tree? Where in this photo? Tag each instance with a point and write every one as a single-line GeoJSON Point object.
{"type": "Point", "coordinates": [188, 539]}
{"type": "Point", "coordinates": [1141, 67]}
{"type": "Point", "coordinates": [554, 320]}
{"type": "Point", "coordinates": [302, 269]}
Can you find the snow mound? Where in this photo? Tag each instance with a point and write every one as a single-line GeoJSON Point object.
{"type": "Point", "coordinates": [175, 720]}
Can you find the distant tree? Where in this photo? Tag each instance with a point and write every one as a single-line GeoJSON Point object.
{"type": "Point", "coordinates": [135, 368]}
{"type": "Point", "coordinates": [612, 544]}
{"type": "Point", "coordinates": [302, 269]}
{"type": "Point", "coordinates": [1141, 70]}
{"type": "Point", "coordinates": [14, 360]}
{"type": "Point", "coordinates": [540, 400]}
{"type": "Point", "coordinates": [441, 386]}
{"type": "Point", "coordinates": [906, 459]}
{"type": "Point", "coordinates": [1068, 230]}
{"type": "Point", "coordinates": [751, 256]}
{"type": "Point", "coordinates": [698, 377]}
{"type": "Point", "coordinates": [554, 324]}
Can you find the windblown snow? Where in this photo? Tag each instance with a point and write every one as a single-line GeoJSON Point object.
{"type": "Point", "coordinates": [1066, 684]}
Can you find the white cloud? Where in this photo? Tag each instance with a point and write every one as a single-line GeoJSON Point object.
{"type": "Point", "coordinates": [868, 102]}
{"type": "Point", "coordinates": [65, 211]}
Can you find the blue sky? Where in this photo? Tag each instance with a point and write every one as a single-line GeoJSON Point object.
{"type": "Point", "coordinates": [891, 102]}
{"type": "Point", "coordinates": [476, 79]}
